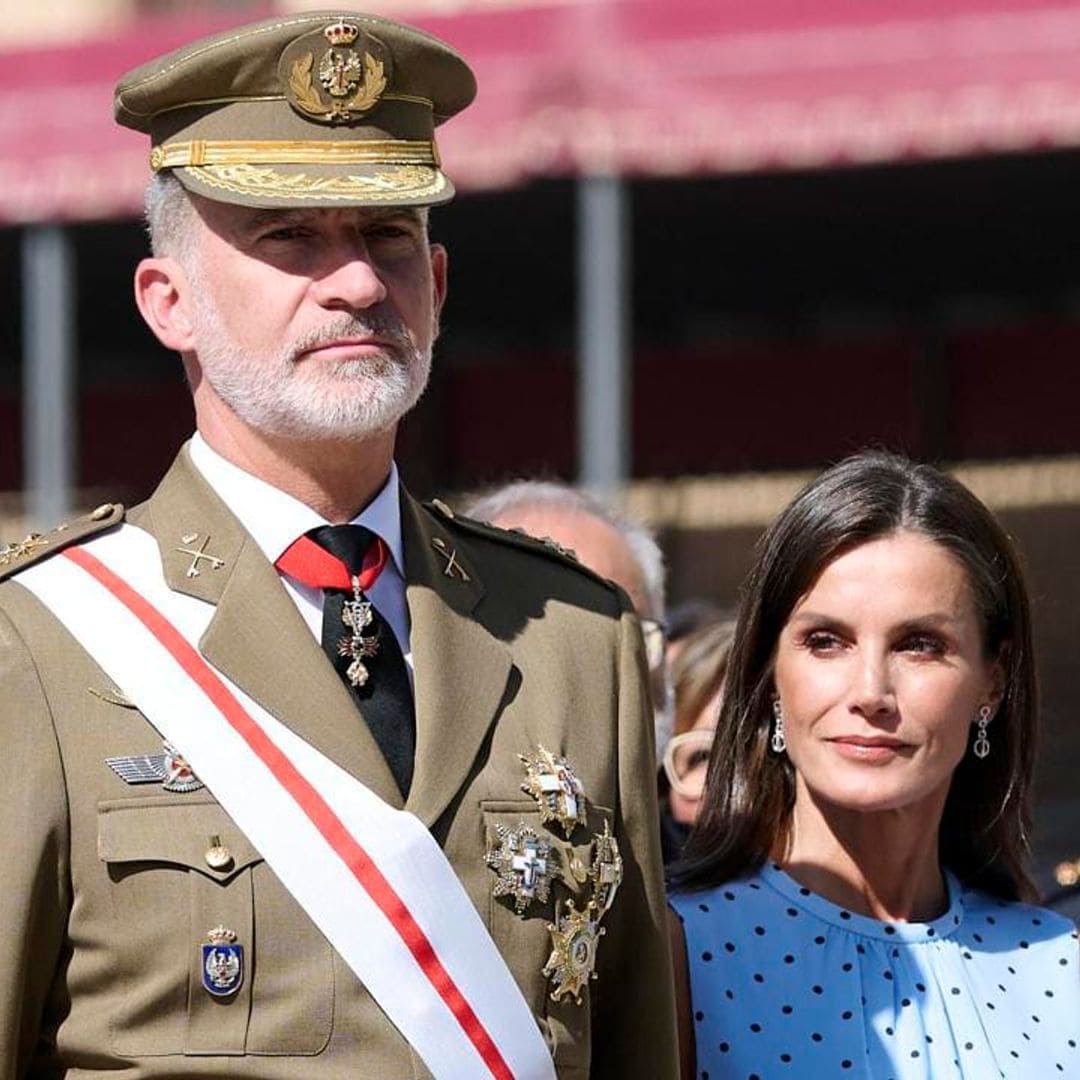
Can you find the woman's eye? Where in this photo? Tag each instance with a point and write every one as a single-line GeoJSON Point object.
{"type": "Point", "coordinates": [822, 641]}
{"type": "Point", "coordinates": [923, 643]}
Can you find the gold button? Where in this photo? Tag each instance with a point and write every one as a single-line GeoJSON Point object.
{"type": "Point", "coordinates": [101, 512]}
{"type": "Point", "coordinates": [218, 857]}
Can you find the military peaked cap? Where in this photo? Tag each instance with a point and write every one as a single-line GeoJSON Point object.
{"type": "Point", "coordinates": [325, 108]}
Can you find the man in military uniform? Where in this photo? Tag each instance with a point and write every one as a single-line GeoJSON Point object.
{"type": "Point", "coordinates": [304, 778]}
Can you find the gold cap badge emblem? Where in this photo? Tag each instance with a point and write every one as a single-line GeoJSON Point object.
{"type": "Point", "coordinates": [336, 74]}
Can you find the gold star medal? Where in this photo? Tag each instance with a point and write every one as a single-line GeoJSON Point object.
{"type": "Point", "coordinates": [606, 872]}
{"type": "Point", "coordinates": [522, 860]}
{"type": "Point", "coordinates": [574, 938]}
{"type": "Point", "coordinates": [552, 782]}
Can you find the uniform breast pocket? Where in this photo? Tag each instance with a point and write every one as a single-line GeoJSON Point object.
{"type": "Point", "coordinates": [215, 957]}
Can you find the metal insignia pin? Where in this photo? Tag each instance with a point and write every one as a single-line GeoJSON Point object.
{"type": "Point", "coordinates": [198, 553]}
{"type": "Point", "coordinates": [552, 782]}
{"type": "Point", "coordinates": [222, 963]}
{"type": "Point", "coordinates": [179, 776]}
{"type": "Point", "coordinates": [574, 939]}
{"type": "Point", "coordinates": [606, 872]}
{"type": "Point", "coordinates": [168, 769]}
{"type": "Point", "coordinates": [22, 548]}
{"type": "Point", "coordinates": [452, 566]}
{"type": "Point", "coordinates": [522, 860]}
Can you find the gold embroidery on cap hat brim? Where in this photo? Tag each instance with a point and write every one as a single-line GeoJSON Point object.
{"type": "Point", "coordinates": [292, 152]}
{"type": "Point", "coordinates": [414, 181]}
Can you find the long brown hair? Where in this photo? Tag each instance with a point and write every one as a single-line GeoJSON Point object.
{"type": "Point", "coordinates": [750, 792]}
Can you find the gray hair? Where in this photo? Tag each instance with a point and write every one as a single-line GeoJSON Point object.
{"type": "Point", "coordinates": [170, 217]}
{"type": "Point", "coordinates": [545, 494]}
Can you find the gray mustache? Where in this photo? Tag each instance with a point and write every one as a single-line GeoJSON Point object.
{"type": "Point", "coordinates": [388, 327]}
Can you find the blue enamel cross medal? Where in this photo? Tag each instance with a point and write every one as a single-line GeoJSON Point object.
{"type": "Point", "coordinates": [222, 963]}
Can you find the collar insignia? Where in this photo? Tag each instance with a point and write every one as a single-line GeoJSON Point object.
{"type": "Point", "coordinates": [452, 566]}
{"type": "Point", "coordinates": [197, 554]}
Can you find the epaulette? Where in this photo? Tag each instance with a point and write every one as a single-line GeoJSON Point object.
{"type": "Point", "coordinates": [538, 545]}
{"type": "Point", "coordinates": [36, 546]}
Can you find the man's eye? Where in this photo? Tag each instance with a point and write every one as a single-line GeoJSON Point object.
{"type": "Point", "coordinates": [389, 233]}
{"type": "Point", "coordinates": [286, 233]}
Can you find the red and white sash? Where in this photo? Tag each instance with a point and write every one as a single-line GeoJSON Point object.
{"type": "Point", "coordinates": [371, 878]}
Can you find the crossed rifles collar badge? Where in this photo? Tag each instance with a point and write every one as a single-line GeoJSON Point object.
{"type": "Point", "coordinates": [529, 864]}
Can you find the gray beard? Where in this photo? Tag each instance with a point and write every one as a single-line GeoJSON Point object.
{"type": "Point", "coordinates": [284, 396]}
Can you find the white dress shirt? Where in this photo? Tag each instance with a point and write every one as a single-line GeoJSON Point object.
{"type": "Point", "coordinates": [274, 519]}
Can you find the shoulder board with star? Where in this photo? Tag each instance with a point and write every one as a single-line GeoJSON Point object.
{"type": "Point", "coordinates": [538, 545]}
{"type": "Point", "coordinates": [16, 555]}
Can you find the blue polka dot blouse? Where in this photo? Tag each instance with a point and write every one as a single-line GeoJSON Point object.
{"type": "Point", "coordinates": [786, 984]}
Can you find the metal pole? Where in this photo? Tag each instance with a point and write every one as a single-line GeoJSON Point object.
{"type": "Point", "coordinates": [604, 438]}
{"type": "Point", "coordinates": [49, 421]}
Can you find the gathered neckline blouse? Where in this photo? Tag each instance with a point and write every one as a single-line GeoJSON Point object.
{"type": "Point", "coordinates": [783, 981]}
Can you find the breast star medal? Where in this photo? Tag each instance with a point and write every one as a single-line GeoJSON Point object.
{"type": "Point", "coordinates": [522, 860]}
{"type": "Point", "coordinates": [222, 963]}
{"type": "Point", "coordinates": [356, 615]}
{"type": "Point", "coordinates": [552, 782]}
{"type": "Point", "coordinates": [606, 872]}
{"type": "Point", "coordinates": [574, 938]}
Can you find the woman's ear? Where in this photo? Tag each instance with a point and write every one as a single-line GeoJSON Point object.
{"type": "Point", "coordinates": [163, 296]}
{"type": "Point", "coordinates": [999, 680]}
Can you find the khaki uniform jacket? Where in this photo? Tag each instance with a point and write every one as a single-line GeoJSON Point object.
{"type": "Point", "coordinates": [106, 892]}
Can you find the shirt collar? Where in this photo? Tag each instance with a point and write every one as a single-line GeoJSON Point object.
{"type": "Point", "coordinates": [274, 519]}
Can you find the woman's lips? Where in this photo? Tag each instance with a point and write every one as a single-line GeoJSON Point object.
{"type": "Point", "coordinates": [867, 748]}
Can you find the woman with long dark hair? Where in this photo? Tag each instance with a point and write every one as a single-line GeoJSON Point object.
{"type": "Point", "coordinates": [852, 897]}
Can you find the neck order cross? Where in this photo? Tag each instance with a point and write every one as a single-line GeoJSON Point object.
{"type": "Point", "coordinates": [345, 561]}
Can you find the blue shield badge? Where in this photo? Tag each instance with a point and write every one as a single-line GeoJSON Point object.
{"type": "Point", "coordinates": [222, 963]}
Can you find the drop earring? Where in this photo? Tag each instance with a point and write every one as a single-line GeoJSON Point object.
{"type": "Point", "coordinates": [982, 744]}
{"type": "Point", "coordinates": [778, 742]}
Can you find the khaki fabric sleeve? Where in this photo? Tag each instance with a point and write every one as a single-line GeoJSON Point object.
{"type": "Point", "coordinates": [34, 880]}
{"type": "Point", "coordinates": [635, 1013]}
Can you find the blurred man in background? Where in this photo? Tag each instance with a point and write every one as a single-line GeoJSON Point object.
{"type": "Point", "coordinates": [606, 541]}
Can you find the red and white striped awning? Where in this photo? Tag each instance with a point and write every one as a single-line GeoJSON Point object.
{"type": "Point", "coordinates": [644, 87]}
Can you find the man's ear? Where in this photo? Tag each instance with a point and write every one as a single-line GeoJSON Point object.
{"type": "Point", "coordinates": [439, 261]}
{"type": "Point", "coordinates": [163, 296]}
